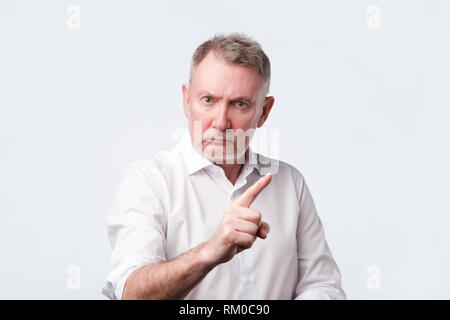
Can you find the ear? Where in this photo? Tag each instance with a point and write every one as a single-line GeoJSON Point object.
{"type": "Point", "coordinates": [186, 100]}
{"type": "Point", "coordinates": [268, 104]}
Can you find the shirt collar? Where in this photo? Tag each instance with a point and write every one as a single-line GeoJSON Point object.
{"type": "Point", "coordinates": [194, 161]}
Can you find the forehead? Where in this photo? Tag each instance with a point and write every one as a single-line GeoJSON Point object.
{"type": "Point", "coordinates": [217, 76]}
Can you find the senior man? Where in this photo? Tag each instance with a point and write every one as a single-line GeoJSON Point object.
{"type": "Point", "coordinates": [185, 222]}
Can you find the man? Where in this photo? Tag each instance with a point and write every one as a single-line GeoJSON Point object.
{"type": "Point", "coordinates": [185, 222]}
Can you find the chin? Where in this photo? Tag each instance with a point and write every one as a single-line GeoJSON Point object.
{"type": "Point", "coordinates": [217, 154]}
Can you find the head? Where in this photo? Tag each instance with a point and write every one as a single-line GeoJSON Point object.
{"type": "Point", "coordinates": [226, 97]}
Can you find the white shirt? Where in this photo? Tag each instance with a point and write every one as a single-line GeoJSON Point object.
{"type": "Point", "coordinates": [174, 201]}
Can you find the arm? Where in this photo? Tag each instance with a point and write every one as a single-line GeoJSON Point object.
{"type": "Point", "coordinates": [172, 279]}
{"type": "Point", "coordinates": [319, 275]}
{"type": "Point", "coordinates": [136, 227]}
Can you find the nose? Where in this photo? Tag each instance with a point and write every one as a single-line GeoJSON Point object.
{"type": "Point", "coordinates": [221, 120]}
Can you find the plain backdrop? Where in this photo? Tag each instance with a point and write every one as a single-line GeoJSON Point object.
{"type": "Point", "coordinates": [362, 106]}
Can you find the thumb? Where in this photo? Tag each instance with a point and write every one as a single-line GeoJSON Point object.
{"type": "Point", "coordinates": [263, 230]}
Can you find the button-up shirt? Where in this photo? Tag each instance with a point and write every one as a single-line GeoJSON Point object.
{"type": "Point", "coordinates": [174, 201]}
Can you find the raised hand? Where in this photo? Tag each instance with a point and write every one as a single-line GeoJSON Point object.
{"type": "Point", "coordinates": [239, 226]}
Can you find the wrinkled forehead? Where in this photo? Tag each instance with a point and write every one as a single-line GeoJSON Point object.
{"type": "Point", "coordinates": [223, 79]}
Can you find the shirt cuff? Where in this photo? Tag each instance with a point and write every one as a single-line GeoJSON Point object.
{"type": "Point", "coordinates": [115, 282]}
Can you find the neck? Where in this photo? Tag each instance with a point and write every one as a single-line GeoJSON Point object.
{"type": "Point", "coordinates": [232, 171]}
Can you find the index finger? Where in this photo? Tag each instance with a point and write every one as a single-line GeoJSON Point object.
{"type": "Point", "coordinates": [246, 199]}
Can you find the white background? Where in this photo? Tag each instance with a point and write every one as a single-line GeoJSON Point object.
{"type": "Point", "coordinates": [362, 112]}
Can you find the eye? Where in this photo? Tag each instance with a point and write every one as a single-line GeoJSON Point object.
{"type": "Point", "coordinates": [207, 99]}
{"type": "Point", "coordinates": [241, 104]}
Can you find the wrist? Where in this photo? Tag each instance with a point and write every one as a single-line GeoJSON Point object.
{"type": "Point", "coordinates": [206, 256]}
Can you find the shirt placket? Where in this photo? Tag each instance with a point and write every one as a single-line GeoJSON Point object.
{"type": "Point", "coordinates": [245, 272]}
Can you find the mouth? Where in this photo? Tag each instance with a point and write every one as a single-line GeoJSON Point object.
{"type": "Point", "coordinates": [218, 140]}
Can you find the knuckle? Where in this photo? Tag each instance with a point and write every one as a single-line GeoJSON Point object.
{"type": "Point", "coordinates": [258, 215]}
{"type": "Point", "coordinates": [249, 242]}
{"type": "Point", "coordinates": [228, 235]}
{"type": "Point", "coordinates": [233, 205]}
{"type": "Point", "coordinates": [226, 220]}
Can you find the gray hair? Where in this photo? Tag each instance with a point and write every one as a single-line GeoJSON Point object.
{"type": "Point", "coordinates": [235, 48]}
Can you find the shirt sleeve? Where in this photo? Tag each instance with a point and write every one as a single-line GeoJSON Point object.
{"type": "Point", "coordinates": [319, 275]}
{"type": "Point", "coordinates": [136, 226]}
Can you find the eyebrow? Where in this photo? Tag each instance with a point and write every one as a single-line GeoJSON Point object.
{"type": "Point", "coordinates": [242, 98]}
{"type": "Point", "coordinates": [233, 99]}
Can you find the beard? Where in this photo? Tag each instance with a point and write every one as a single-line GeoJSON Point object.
{"type": "Point", "coordinates": [220, 147]}
{"type": "Point", "coordinates": [226, 152]}
{"type": "Point", "coordinates": [228, 147]}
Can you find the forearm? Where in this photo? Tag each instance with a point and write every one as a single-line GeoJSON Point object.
{"type": "Point", "coordinates": [172, 279]}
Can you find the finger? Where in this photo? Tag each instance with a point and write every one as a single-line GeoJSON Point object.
{"type": "Point", "coordinates": [249, 214]}
{"type": "Point", "coordinates": [263, 230]}
{"type": "Point", "coordinates": [244, 240]}
{"type": "Point", "coordinates": [246, 199]}
{"type": "Point", "coordinates": [246, 226]}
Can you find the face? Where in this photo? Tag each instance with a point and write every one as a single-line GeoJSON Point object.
{"type": "Point", "coordinates": [224, 104]}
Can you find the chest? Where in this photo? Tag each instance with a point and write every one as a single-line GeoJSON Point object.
{"type": "Point", "coordinates": [196, 207]}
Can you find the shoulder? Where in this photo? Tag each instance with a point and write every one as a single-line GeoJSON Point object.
{"type": "Point", "coordinates": [278, 167]}
{"type": "Point", "coordinates": [157, 171]}
{"type": "Point", "coordinates": [282, 171]}
{"type": "Point", "coordinates": [156, 165]}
